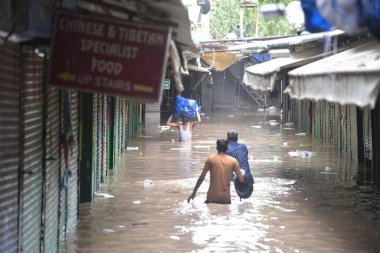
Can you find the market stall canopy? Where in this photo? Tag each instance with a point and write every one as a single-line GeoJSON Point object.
{"type": "Point", "coordinates": [349, 77]}
{"type": "Point", "coordinates": [220, 61]}
{"type": "Point", "coordinates": [263, 76]}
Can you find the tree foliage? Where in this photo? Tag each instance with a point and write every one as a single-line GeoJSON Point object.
{"type": "Point", "coordinates": [225, 17]}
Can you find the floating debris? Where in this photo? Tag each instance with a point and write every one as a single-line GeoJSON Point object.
{"type": "Point", "coordinates": [148, 183]}
{"type": "Point", "coordinates": [103, 195]}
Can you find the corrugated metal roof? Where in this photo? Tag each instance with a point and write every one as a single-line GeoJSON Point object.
{"type": "Point", "coordinates": [283, 42]}
{"type": "Point", "coordinates": [349, 77]}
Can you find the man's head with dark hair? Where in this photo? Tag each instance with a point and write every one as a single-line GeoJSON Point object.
{"type": "Point", "coordinates": [184, 119]}
{"type": "Point", "coordinates": [222, 145]}
{"type": "Point", "coordinates": [232, 135]}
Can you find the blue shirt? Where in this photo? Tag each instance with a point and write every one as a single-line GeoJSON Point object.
{"type": "Point", "coordinates": [240, 152]}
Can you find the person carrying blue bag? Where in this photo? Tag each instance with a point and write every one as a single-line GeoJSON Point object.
{"type": "Point", "coordinates": [185, 109]}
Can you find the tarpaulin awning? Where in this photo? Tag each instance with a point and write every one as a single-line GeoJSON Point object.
{"type": "Point", "coordinates": [349, 77]}
{"type": "Point", "coordinates": [263, 76]}
{"type": "Point", "coordinates": [220, 61]}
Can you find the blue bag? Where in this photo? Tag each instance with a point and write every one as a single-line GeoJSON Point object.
{"type": "Point", "coordinates": [244, 190]}
{"type": "Point", "coordinates": [371, 11]}
{"type": "Point", "coordinates": [185, 107]}
{"type": "Point", "coordinates": [314, 22]}
{"type": "Point", "coordinates": [352, 16]}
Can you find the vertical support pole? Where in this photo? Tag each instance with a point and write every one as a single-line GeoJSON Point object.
{"type": "Point", "coordinates": [257, 22]}
{"type": "Point", "coordinates": [241, 22]}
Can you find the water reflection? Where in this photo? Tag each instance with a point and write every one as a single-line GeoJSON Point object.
{"type": "Point", "coordinates": [299, 204]}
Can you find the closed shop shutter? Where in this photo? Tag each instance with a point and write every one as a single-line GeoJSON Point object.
{"type": "Point", "coordinates": [318, 124]}
{"type": "Point", "coordinates": [99, 141]}
{"type": "Point", "coordinates": [86, 143]}
{"type": "Point", "coordinates": [9, 146]}
{"type": "Point", "coordinates": [72, 190]}
{"type": "Point", "coordinates": [338, 122]}
{"type": "Point", "coordinates": [95, 147]}
{"type": "Point", "coordinates": [130, 120]}
{"type": "Point", "coordinates": [68, 203]}
{"type": "Point", "coordinates": [124, 125]}
{"type": "Point", "coordinates": [315, 119]}
{"type": "Point", "coordinates": [354, 133]}
{"type": "Point", "coordinates": [346, 129]}
{"type": "Point", "coordinates": [109, 140]}
{"type": "Point", "coordinates": [367, 138]}
{"type": "Point", "coordinates": [32, 151]}
{"type": "Point", "coordinates": [116, 132]}
{"type": "Point", "coordinates": [324, 114]}
{"type": "Point", "coordinates": [334, 125]}
{"type": "Point", "coordinates": [94, 143]}
{"type": "Point", "coordinates": [52, 161]}
{"type": "Point", "coordinates": [104, 137]}
{"type": "Point", "coordinates": [62, 213]}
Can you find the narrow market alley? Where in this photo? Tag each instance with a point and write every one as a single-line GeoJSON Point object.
{"type": "Point", "coordinates": [305, 197]}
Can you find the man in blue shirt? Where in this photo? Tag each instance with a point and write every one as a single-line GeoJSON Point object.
{"type": "Point", "coordinates": [240, 152]}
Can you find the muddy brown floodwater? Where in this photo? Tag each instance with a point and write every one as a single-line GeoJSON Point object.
{"type": "Point", "coordinates": [302, 201]}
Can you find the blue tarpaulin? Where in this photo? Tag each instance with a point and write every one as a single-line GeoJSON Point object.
{"type": "Point", "coordinates": [314, 22]}
{"type": "Point", "coordinates": [260, 57]}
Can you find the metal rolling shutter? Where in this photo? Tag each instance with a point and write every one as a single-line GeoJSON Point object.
{"type": "Point", "coordinates": [297, 116]}
{"type": "Point", "coordinates": [52, 170]}
{"type": "Point", "coordinates": [334, 123]}
{"type": "Point", "coordinates": [322, 121]}
{"type": "Point", "coordinates": [96, 151]}
{"type": "Point", "coordinates": [99, 140]}
{"type": "Point", "coordinates": [346, 129]}
{"type": "Point", "coordinates": [94, 142]}
{"type": "Point", "coordinates": [86, 144]}
{"type": "Point", "coordinates": [124, 125]}
{"type": "Point", "coordinates": [62, 229]}
{"type": "Point", "coordinates": [130, 125]}
{"type": "Point", "coordinates": [9, 146]}
{"type": "Point", "coordinates": [109, 127]}
{"type": "Point", "coordinates": [116, 130]}
{"type": "Point", "coordinates": [317, 120]}
{"type": "Point", "coordinates": [103, 136]}
{"type": "Point", "coordinates": [72, 194]}
{"type": "Point", "coordinates": [354, 133]}
{"type": "Point", "coordinates": [367, 137]}
{"type": "Point", "coordinates": [339, 127]}
{"type": "Point", "coordinates": [32, 153]}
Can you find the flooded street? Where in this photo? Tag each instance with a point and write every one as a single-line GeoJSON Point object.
{"type": "Point", "coordinates": [302, 201]}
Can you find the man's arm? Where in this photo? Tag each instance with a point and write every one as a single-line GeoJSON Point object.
{"type": "Point", "coordinates": [198, 116]}
{"type": "Point", "coordinates": [197, 121]}
{"type": "Point", "coordinates": [238, 172]}
{"type": "Point", "coordinates": [170, 123]}
{"type": "Point", "coordinates": [199, 181]}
